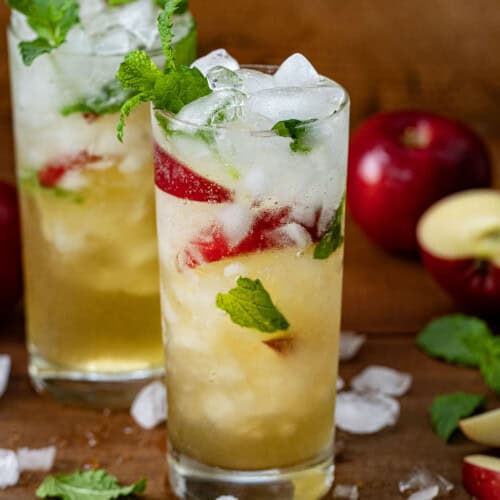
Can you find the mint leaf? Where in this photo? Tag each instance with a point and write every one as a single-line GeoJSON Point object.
{"type": "Point", "coordinates": [249, 305]}
{"type": "Point", "coordinates": [298, 130]}
{"type": "Point", "coordinates": [138, 72]}
{"type": "Point", "coordinates": [89, 485]}
{"type": "Point", "coordinates": [333, 237]}
{"type": "Point", "coordinates": [490, 364]}
{"type": "Point", "coordinates": [182, 6]}
{"type": "Point", "coordinates": [115, 3]}
{"type": "Point", "coordinates": [127, 108]}
{"type": "Point", "coordinates": [456, 338]}
{"type": "Point", "coordinates": [447, 410]}
{"type": "Point", "coordinates": [51, 20]}
{"type": "Point", "coordinates": [166, 34]}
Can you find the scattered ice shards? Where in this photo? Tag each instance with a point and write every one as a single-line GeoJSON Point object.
{"type": "Point", "coordinates": [4, 372]}
{"type": "Point", "coordinates": [421, 480]}
{"type": "Point", "coordinates": [150, 405]}
{"type": "Point", "coordinates": [382, 379]}
{"type": "Point", "coordinates": [350, 344]}
{"type": "Point", "coordinates": [340, 383]}
{"type": "Point", "coordinates": [36, 459]}
{"type": "Point", "coordinates": [226, 497]}
{"type": "Point", "coordinates": [9, 469]}
{"type": "Point", "coordinates": [365, 413]}
{"type": "Point", "coordinates": [348, 491]}
{"type": "Point", "coordinates": [425, 494]}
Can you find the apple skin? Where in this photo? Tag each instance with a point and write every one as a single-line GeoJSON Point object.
{"type": "Point", "coordinates": [481, 482]}
{"type": "Point", "coordinates": [391, 182]}
{"type": "Point", "coordinates": [10, 250]}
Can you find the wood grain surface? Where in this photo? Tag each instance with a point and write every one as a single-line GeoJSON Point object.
{"type": "Point", "coordinates": [438, 55]}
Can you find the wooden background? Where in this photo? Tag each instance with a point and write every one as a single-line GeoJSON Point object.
{"type": "Point", "coordinates": [437, 55]}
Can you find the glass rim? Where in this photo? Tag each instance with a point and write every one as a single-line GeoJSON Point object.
{"type": "Point", "coordinates": [269, 69]}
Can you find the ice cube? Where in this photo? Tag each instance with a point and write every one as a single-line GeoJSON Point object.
{"type": "Point", "coordinates": [150, 405]}
{"type": "Point", "coordinates": [139, 18]}
{"type": "Point", "coordinates": [425, 494]}
{"type": "Point", "coordinates": [382, 379]}
{"type": "Point", "coordinates": [220, 77]}
{"type": "Point", "coordinates": [226, 497]}
{"type": "Point", "coordinates": [296, 103]}
{"type": "Point", "coordinates": [236, 222]}
{"type": "Point", "coordinates": [36, 459]}
{"type": "Point", "coordinates": [73, 180]}
{"type": "Point", "coordinates": [365, 413]}
{"type": "Point", "coordinates": [348, 491]}
{"type": "Point", "coordinates": [350, 344]}
{"type": "Point", "coordinates": [296, 234]}
{"type": "Point", "coordinates": [9, 469]}
{"type": "Point", "coordinates": [4, 372]}
{"type": "Point", "coordinates": [421, 479]}
{"type": "Point", "coordinates": [114, 41]}
{"type": "Point", "coordinates": [218, 57]}
{"type": "Point", "coordinates": [340, 383]}
{"type": "Point", "coordinates": [235, 269]}
{"type": "Point", "coordinates": [296, 71]}
{"type": "Point", "coordinates": [254, 81]}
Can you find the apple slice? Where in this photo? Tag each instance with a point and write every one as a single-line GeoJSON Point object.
{"type": "Point", "coordinates": [459, 240]}
{"type": "Point", "coordinates": [176, 179]}
{"type": "Point", "coordinates": [481, 477]}
{"type": "Point", "coordinates": [483, 428]}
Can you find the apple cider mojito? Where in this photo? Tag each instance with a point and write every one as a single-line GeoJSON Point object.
{"type": "Point", "coordinates": [90, 256]}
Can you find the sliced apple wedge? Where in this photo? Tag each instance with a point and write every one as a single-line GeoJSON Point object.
{"type": "Point", "coordinates": [481, 476]}
{"type": "Point", "coordinates": [459, 240]}
{"type": "Point", "coordinates": [484, 428]}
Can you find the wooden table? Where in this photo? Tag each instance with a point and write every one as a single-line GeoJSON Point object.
{"type": "Point", "coordinates": [434, 54]}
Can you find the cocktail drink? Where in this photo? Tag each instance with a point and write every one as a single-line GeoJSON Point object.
{"type": "Point", "coordinates": [90, 257]}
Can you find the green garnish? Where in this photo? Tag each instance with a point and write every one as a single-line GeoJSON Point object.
{"type": "Point", "coordinates": [182, 6]}
{"type": "Point", "coordinates": [447, 410]}
{"type": "Point", "coordinates": [169, 90]}
{"type": "Point", "coordinates": [51, 20]}
{"type": "Point", "coordinates": [249, 305]}
{"type": "Point", "coordinates": [456, 338]}
{"type": "Point", "coordinates": [299, 131]}
{"type": "Point", "coordinates": [116, 3]}
{"type": "Point", "coordinates": [89, 485]}
{"type": "Point", "coordinates": [490, 364]}
{"type": "Point", "coordinates": [333, 237]}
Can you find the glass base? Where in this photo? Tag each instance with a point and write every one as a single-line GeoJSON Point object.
{"type": "Point", "coordinates": [194, 481]}
{"type": "Point", "coordinates": [90, 389]}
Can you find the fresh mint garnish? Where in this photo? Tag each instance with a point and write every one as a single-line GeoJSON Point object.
{"type": "Point", "coordinates": [169, 90]}
{"type": "Point", "coordinates": [333, 237]}
{"type": "Point", "coordinates": [116, 3]}
{"type": "Point", "coordinates": [456, 338]}
{"type": "Point", "coordinates": [298, 130]}
{"type": "Point", "coordinates": [182, 6]}
{"type": "Point", "coordinates": [447, 410]}
{"type": "Point", "coordinates": [249, 305]}
{"type": "Point", "coordinates": [92, 484]}
{"type": "Point", "coordinates": [51, 20]}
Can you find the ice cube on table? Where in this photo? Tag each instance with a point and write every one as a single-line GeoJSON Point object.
{"type": "Point", "coordinates": [382, 379]}
{"type": "Point", "coordinates": [9, 469]}
{"type": "Point", "coordinates": [220, 77]}
{"type": "Point", "coordinates": [296, 103]}
{"type": "Point", "coordinates": [4, 372]}
{"type": "Point", "coordinates": [218, 57]}
{"type": "Point", "coordinates": [421, 479]}
{"type": "Point", "coordinates": [350, 344]}
{"type": "Point", "coordinates": [254, 81]}
{"type": "Point", "coordinates": [347, 491]}
{"type": "Point", "coordinates": [365, 413]}
{"type": "Point", "coordinates": [425, 494]}
{"type": "Point", "coordinates": [226, 497]}
{"type": "Point", "coordinates": [36, 459]}
{"type": "Point", "coordinates": [150, 405]}
{"type": "Point", "coordinates": [296, 71]}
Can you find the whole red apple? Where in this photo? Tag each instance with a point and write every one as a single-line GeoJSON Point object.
{"type": "Point", "coordinates": [400, 163]}
{"type": "Point", "coordinates": [10, 249]}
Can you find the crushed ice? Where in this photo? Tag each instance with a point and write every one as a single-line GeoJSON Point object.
{"type": "Point", "coordinates": [382, 379]}
{"type": "Point", "coordinates": [36, 459]}
{"type": "Point", "coordinates": [421, 481]}
{"type": "Point", "coordinates": [365, 413]}
{"type": "Point", "coordinates": [350, 344]}
{"type": "Point", "coordinates": [150, 405]}
{"type": "Point", "coordinates": [347, 491]}
{"type": "Point", "coordinates": [4, 372]}
{"type": "Point", "coordinates": [9, 469]}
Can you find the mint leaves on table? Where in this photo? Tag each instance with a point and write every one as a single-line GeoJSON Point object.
{"type": "Point", "coordinates": [298, 130]}
{"type": "Point", "coordinates": [51, 20]}
{"type": "Point", "coordinates": [169, 90]}
{"type": "Point", "coordinates": [333, 237]}
{"type": "Point", "coordinates": [490, 363]}
{"type": "Point", "coordinates": [249, 305]}
{"type": "Point", "coordinates": [92, 484]}
{"type": "Point", "coordinates": [447, 410]}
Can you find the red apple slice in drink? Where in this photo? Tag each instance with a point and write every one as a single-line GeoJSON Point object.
{"type": "Point", "coordinates": [483, 428]}
{"type": "Point", "coordinates": [481, 477]}
{"type": "Point", "coordinates": [459, 240]}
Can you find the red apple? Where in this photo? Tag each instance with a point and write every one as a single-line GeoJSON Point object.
{"type": "Point", "coordinates": [10, 249]}
{"type": "Point", "coordinates": [402, 162]}
{"type": "Point", "coordinates": [481, 477]}
{"type": "Point", "coordinates": [459, 238]}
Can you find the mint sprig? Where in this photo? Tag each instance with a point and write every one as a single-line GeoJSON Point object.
{"type": "Point", "coordinates": [447, 411]}
{"type": "Point", "coordinates": [92, 484]}
{"type": "Point", "coordinates": [250, 305]}
{"type": "Point", "coordinates": [51, 20]}
{"type": "Point", "coordinates": [169, 90]}
{"type": "Point", "coordinates": [298, 131]}
{"type": "Point", "coordinates": [333, 237]}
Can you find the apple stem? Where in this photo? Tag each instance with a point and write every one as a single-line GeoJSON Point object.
{"type": "Point", "coordinates": [416, 137]}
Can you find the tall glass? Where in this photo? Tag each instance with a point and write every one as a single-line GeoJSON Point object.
{"type": "Point", "coordinates": [251, 408]}
{"type": "Point", "coordinates": [89, 235]}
